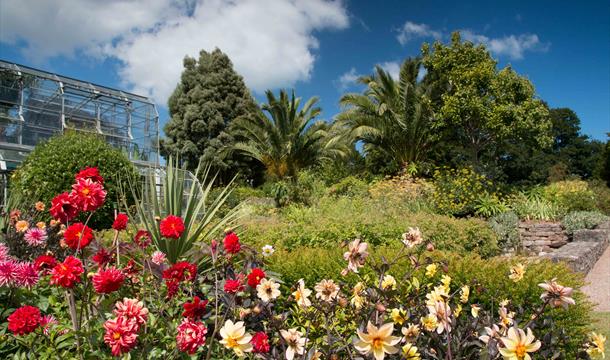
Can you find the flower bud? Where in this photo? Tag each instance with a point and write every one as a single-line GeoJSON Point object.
{"type": "Point", "coordinates": [380, 307]}
{"type": "Point", "coordinates": [430, 247]}
{"type": "Point", "coordinates": [342, 301]}
{"type": "Point", "coordinates": [257, 309]}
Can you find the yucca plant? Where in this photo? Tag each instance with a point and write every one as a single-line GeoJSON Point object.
{"type": "Point", "coordinates": [194, 205]}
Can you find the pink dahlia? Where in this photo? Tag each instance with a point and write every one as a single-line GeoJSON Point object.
{"type": "Point", "coordinates": [4, 252]}
{"type": "Point", "coordinates": [27, 275]}
{"type": "Point", "coordinates": [47, 322]}
{"type": "Point", "coordinates": [35, 236]}
{"type": "Point", "coordinates": [107, 280]}
{"type": "Point", "coordinates": [121, 335]}
{"type": "Point", "coordinates": [158, 257]}
{"type": "Point", "coordinates": [8, 272]}
{"type": "Point", "coordinates": [88, 195]}
{"type": "Point", "coordinates": [62, 208]}
{"type": "Point", "coordinates": [191, 335]}
{"type": "Point", "coordinates": [131, 309]}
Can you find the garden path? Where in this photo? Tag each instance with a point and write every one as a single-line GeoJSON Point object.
{"type": "Point", "coordinates": [598, 282]}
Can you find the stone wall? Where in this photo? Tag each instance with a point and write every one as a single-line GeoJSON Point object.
{"type": "Point", "coordinates": [537, 237]}
{"type": "Point", "coordinates": [586, 248]}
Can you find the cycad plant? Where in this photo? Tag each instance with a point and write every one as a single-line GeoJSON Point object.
{"type": "Point", "coordinates": [391, 117]}
{"type": "Point", "coordinates": [288, 137]}
{"type": "Point", "coordinates": [187, 198]}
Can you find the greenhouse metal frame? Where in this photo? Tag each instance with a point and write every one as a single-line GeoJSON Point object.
{"type": "Point", "coordinates": [35, 105]}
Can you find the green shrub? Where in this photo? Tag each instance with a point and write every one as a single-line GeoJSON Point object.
{"type": "Point", "coordinates": [602, 196]}
{"type": "Point", "coordinates": [336, 220]}
{"type": "Point", "coordinates": [534, 207]}
{"type": "Point", "coordinates": [349, 186]}
{"type": "Point", "coordinates": [571, 195]}
{"type": "Point", "coordinates": [489, 205]}
{"type": "Point", "coordinates": [583, 220]}
{"type": "Point", "coordinates": [49, 170]}
{"type": "Point", "coordinates": [506, 226]}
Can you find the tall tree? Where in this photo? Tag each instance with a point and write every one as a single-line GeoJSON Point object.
{"type": "Point", "coordinates": [209, 96]}
{"type": "Point", "coordinates": [287, 138]}
{"type": "Point", "coordinates": [482, 106]}
{"type": "Point", "coordinates": [571, 153]}
{"type": "Point", "coordinates": [391, 118]}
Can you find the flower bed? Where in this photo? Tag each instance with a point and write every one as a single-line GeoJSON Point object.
{"type": "Point", "coordinates": [90, 299]}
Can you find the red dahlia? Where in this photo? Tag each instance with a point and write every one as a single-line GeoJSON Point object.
{"type": "Point", "coordinates": [194, 310]}
{"type": "Point", "coordinates": [78, 236]}
{"type": "Point", "coordinates": [45, 263]}
{"type": "Point", "coordinates": [191, 335]}
{"type": "Point", "coordinates": [181, 271]}
{"type": "Point", "coordinates": [233, 286]}
{"type": "Point", "coordinates": [120, 222]}
{"type": "Point", "coordinates": [108, 280]}
{"type": "Point", "coordinates": [68, 273]}
{"type": "Point", "coordinates": [143, 239]}
{"type": "Point", "coordinates": [24, 320]}
{"type": "Point", "coordinates": [91, 173]}
{"type": "Point", "coordinates": [102, 257]}
{"type": "Point", "coordinates": [231, 243]}
{"type": "Point", "coordinates": [255, 277]}
{"type": "Point", "coordinates": [260, 342]}
{"type": "Point", "coordinates": [172, 227]}
{"type": "Point", "coordinates": [88, 195]}
{"type": "Point", "coordinates": [62, 208]}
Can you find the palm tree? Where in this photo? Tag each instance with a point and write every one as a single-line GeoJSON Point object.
{"type": "Point", "coordinates": [391, 117]}
{"type": "Point", "coordinates": [287, 139]}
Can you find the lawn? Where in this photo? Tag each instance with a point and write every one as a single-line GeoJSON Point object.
{"type": "Point", "coordinates": [603, 325]}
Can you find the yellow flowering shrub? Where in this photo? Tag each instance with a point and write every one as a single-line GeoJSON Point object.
{"type": "Point", "coordinates": [458, 191]}
{"type": "Point", "coordinates": [571, 195]}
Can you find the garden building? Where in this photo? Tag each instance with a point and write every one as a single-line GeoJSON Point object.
{"type": "Point", "coordinates": [35, 105]}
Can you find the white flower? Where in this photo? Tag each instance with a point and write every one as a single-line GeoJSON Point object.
{"type": "Point", "coordinates": [295, 342]}
{"type": "Point", "coordinates": [267, 290]}
{"type": "Point", "coordinates": [326, 290]}
{"type": "Point", "coordinates": [268, 250]}
{"type": "Point", "coordinates": [234, 337]}
{"type": "Point", "coordinates": [301, 295]}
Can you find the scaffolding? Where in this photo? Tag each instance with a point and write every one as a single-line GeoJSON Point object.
{"type": "Point", "coordinates": [35, 105]}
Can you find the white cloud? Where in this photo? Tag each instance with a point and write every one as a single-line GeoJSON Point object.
{"type": "Point", "coordinates": [271, 42]}
{"type": "Point", "coordinates": [513, 46]}
{"type": "Point", "coordinates": [392, 67]}
{"type": "Point", "coordinates": [411, 30]}
{"type": "Point", "coordinates": [348, 79]}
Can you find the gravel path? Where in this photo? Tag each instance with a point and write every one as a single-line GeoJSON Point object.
{"type": "Point", "coordinates": [598, 281]}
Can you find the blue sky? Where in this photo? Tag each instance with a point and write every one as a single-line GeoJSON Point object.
{"type": "Point", "coordinates": [318, 47]}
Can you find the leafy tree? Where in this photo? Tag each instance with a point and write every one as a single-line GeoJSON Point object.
{"type": "Point", "coordinates": [289, 138]}
{"type": "Point", "coordinates": [571, 153]}
{"type": "Point", "coordinates": [391, 118]}
{"type": "Point", "coordinates": [208, 98]}
{"type": "Point", "coordinates": [480, 106]}
{"type": "Point", "coordinates": [606, 162]}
